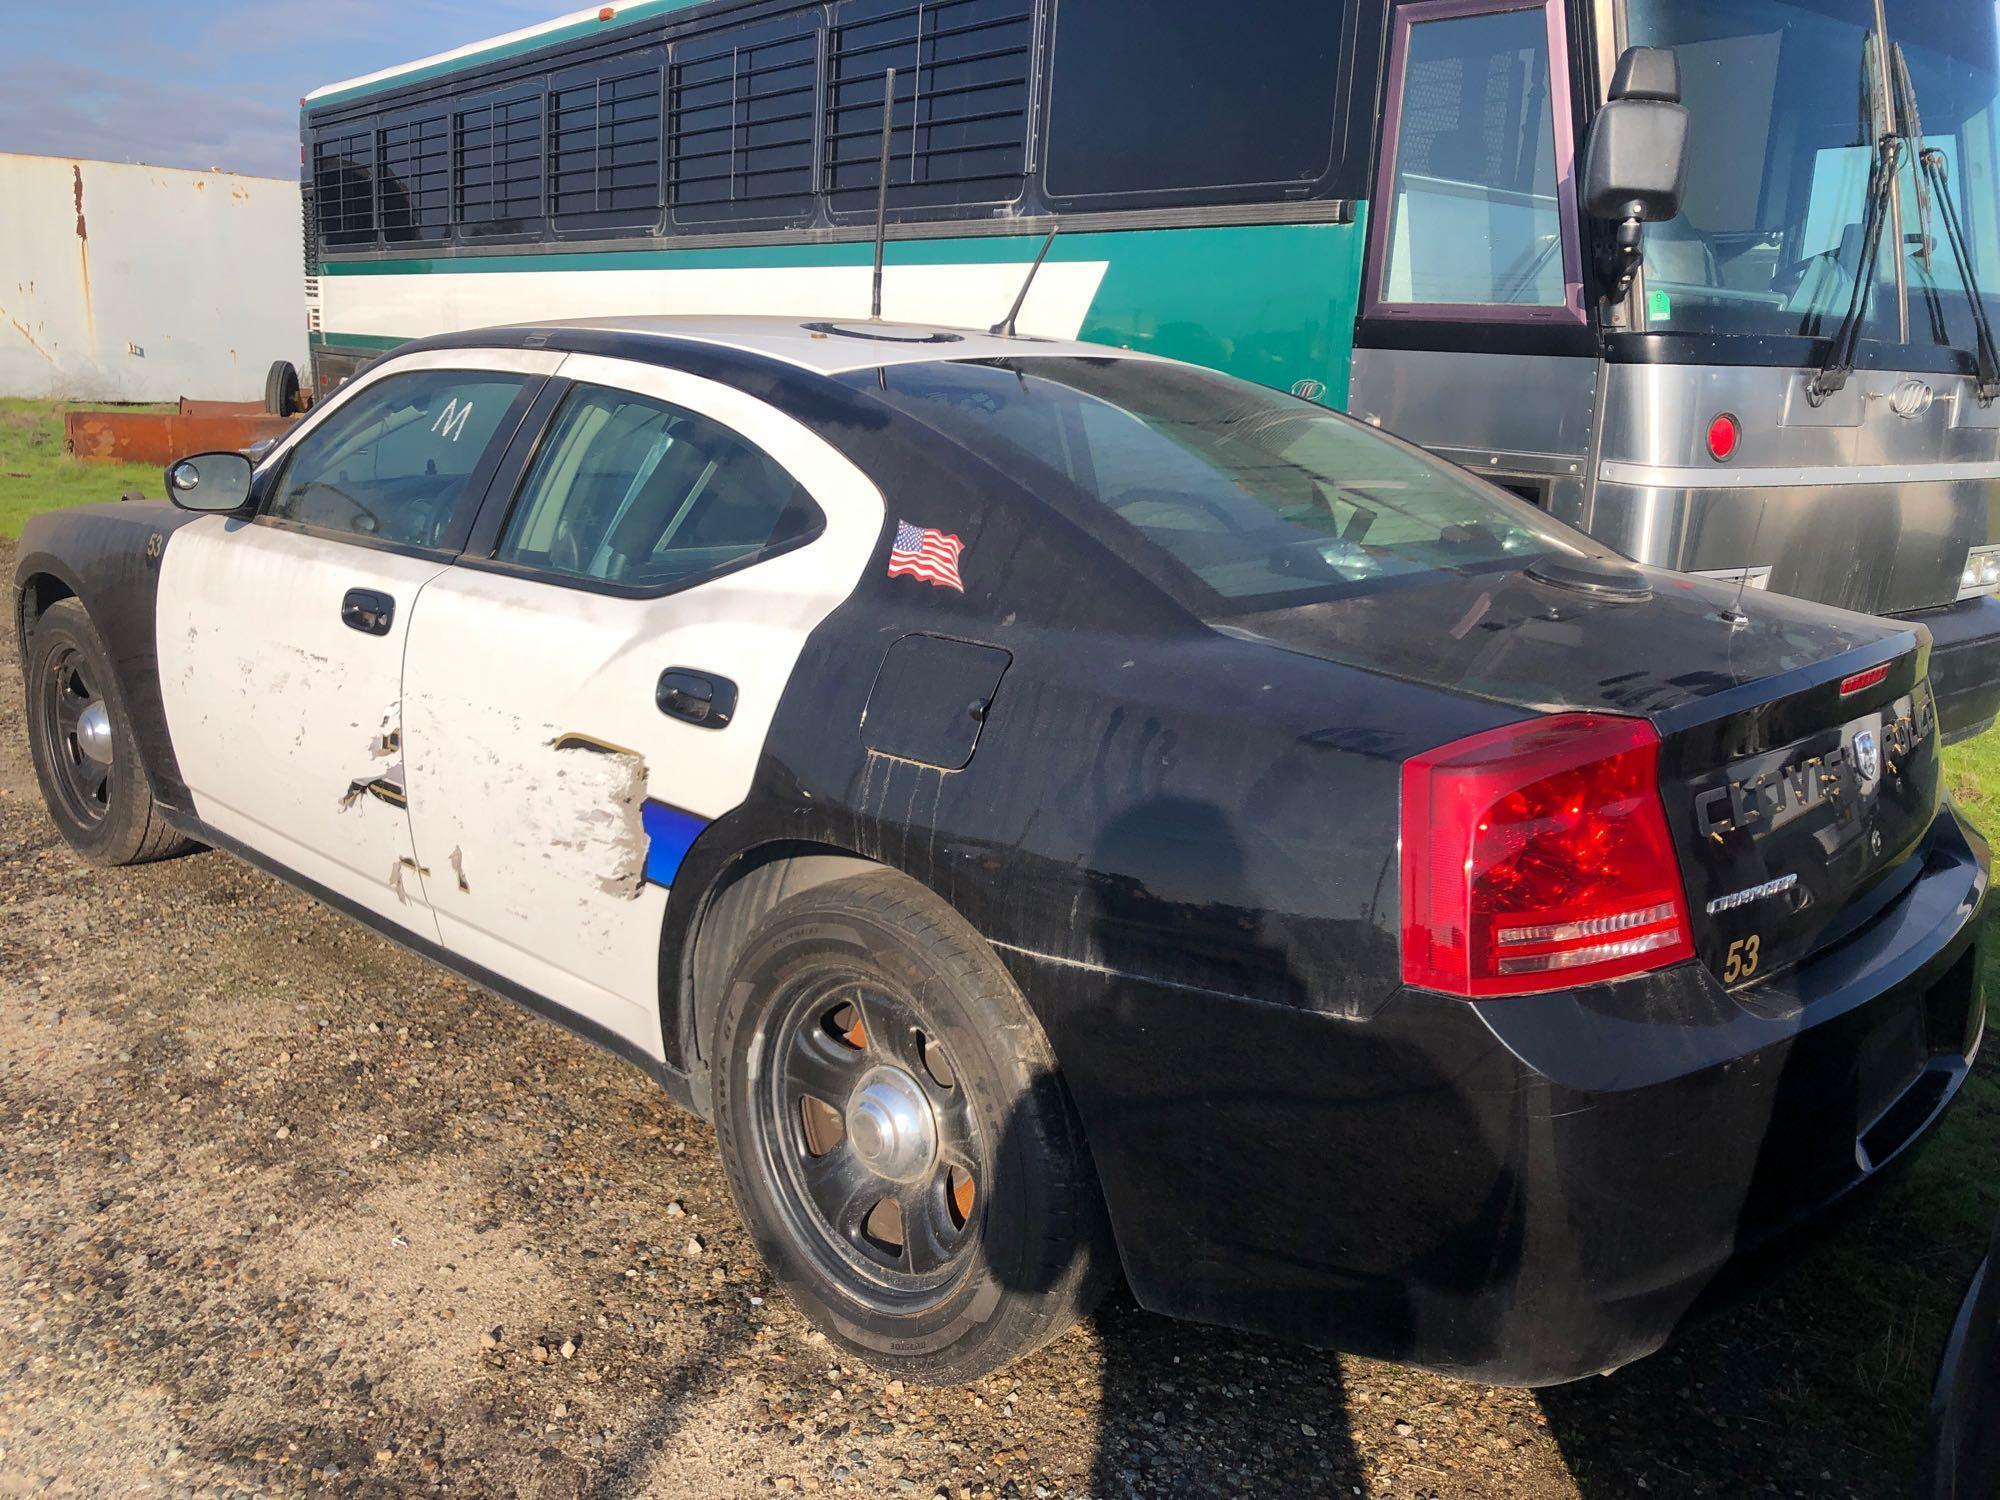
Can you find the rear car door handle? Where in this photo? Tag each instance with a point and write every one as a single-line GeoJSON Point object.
{"type": "Point", "coordinates": [696, 697]}
{"type": "Point", "coordinates": [367, 611]}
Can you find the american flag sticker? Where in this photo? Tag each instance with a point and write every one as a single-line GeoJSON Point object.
{"type": "Point", "coordinates": [927, 553]}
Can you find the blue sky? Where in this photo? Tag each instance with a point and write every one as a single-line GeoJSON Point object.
{"type": "Point", "coordinates": [214, 85]}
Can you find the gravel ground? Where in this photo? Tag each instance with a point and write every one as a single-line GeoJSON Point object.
{"type": "Point", "coordinates": [284, 1210]}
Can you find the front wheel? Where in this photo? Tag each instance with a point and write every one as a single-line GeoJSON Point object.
{"type": "Point", "coordinates": [897, 1138]}
{"type": "Point", "coordinates": [80, 738]}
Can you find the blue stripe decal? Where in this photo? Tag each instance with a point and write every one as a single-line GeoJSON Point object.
{"type": "Point", "coordinates": [669, 834]}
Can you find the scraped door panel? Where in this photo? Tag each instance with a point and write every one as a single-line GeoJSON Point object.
{"type": "Point", "coordinates": [552, 795]}
{"type": "Point", "coordinates": [287, 722]}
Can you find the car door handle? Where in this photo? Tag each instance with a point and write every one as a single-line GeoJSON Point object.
{"type": "Point", "coordinates": [696, 697]}
{"type": "Point", "coordinates": [367, 611]}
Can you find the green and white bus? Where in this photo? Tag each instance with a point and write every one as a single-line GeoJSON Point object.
{"type": "Point", "coordinates": [1372, 203]}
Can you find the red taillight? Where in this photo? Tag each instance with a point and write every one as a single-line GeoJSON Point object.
{"type": "Point", "coordinates": [1536, 857]}
{"type": "Point", "coordinates": [1725, 433]}
{"type": "Point", "coordinates": [1860, 682]}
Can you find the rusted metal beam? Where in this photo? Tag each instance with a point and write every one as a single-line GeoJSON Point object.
{"type": "Point", "coordinates": [193, 408]}
{"type": "Point", "coordinates": [145, 437]}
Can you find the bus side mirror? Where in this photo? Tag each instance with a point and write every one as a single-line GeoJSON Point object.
{"type": "Point", "coordinates": [1635, 161]}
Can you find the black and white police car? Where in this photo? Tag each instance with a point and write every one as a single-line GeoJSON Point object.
{"type": "Point", "coordinates": [1061, 812]}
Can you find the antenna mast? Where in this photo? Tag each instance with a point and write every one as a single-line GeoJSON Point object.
{"type": "Point", "coordinates": [882, 193]}
{"type": "Point", "coordinates": [1006, 324]}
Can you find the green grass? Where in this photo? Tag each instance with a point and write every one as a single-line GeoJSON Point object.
{"type": "Point", "coordinates": [36, 475]}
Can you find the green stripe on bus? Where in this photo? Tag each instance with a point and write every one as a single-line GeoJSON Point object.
{"type": "Point", "coordinates": [355, 341]}
{"type": "Point", "coordinates": [641, 10]}
{"type": "Point", "coordinates": [1273, 303]}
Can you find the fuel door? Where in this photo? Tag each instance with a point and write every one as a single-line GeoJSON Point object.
{"type": "Point", "coordinates": [931, 698]}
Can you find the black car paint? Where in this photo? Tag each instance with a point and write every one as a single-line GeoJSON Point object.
{"type": "Point", "coordinates": [1182, 843]}
{"type": "Point", "coordinates": [1962, 1461]}
{"type": "Point", "coordinates": [1965, 666]}
{"type": "Point", "coordinates": [108, 556]}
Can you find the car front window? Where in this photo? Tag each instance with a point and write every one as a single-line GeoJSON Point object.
{"type": "Point", "coordinates": [393, 462]}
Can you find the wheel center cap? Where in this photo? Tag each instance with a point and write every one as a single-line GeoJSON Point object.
{"type": "Point", "coordinates": [93, 733]}
{"type": "Point", "coordinates": [890, 1125]}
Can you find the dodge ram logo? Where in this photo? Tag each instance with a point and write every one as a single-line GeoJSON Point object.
{"type": "Point", "coordinates": [1867, 755]}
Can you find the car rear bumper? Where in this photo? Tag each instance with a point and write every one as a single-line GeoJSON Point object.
{"type": "Point", "coordinates": [1965, 666]}
{"type": "Point", "coordinates": [1521, 1191]}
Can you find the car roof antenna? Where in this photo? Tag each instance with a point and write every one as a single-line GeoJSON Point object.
{"type": "Point", "coordinates": [882, 193]}
{"type": "Point", "coordinates": [1006, 325]}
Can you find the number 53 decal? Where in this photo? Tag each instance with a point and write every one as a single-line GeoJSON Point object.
{"type": "Point", "coordinates": [1742, 960]}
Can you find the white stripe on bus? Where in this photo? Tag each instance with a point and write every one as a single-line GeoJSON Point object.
{"type": "Point", "coordinates": [964, 296]}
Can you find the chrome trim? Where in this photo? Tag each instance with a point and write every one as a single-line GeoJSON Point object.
{"type": "Point", "coordinates": [1727, 477]}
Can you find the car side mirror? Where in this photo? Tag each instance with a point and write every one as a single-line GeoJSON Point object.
{"type": "Point", "coordinates": [210, 482]}
{"type": "Point", "coordinates": [1635, 161]}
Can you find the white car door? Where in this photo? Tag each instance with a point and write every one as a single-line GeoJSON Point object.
{"type": "Point", "coordinates": [582, 703]}
{"type": "Point", "coordinates": [282, 636]}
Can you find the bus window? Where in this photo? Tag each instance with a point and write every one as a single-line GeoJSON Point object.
{"type": "Point", "coordinates": [1187, 101]}
{"type": "Point", "coordinates": [343, 188]}
{"type": "Point", "coordinates": [413, 167]}
{"type": "Point", "coordinates": [604, 145]}
{"type": "Point", "coordinates": [1474, 217]}
{"type": "Point", "coordinates": [741, 123]}
{"type": "Point", "coordinates": [960, 127]}
{"type": "Point", "coordinates": [497, 187]}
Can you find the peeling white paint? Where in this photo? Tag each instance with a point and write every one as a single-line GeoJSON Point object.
{"type": "Point", "coordinates": [611, 786]}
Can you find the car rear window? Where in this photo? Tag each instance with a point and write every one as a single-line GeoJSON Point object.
{"type": "Point", "coordinates": [1259, 499]}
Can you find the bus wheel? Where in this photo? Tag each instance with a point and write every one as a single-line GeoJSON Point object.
{"type": "Point", "coordinates": [281, 389]}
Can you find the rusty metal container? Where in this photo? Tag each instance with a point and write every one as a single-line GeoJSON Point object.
{"type": "Point", "coordinates": [147, 437]}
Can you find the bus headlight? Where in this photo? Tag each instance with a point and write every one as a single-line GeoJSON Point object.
{"type": "Point", "coordinates": [1982, 572]}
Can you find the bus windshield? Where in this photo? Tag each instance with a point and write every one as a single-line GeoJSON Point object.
{"type": "Point", "coordinates": [1769, 239]}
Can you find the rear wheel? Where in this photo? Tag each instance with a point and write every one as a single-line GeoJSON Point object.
{"type": "Point", "coordinates": [281, 389]}
{"type": "Point", "coordinates": [86, 759]}
{"type": "Point", "coordinates": [897, 1138]}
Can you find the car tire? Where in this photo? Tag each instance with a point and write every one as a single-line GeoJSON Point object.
{"type": "Point", "coordinates": [964, 1277]}
{"type": "Point", "coordinates": [80, 739]}
{"type": "Point", "coordinates": [281, 389]}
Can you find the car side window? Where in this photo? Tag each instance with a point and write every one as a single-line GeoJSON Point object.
{"type": "Point", "coordinates": [394, 461]}
{"type": "Point", "coordinates": [631, 491]}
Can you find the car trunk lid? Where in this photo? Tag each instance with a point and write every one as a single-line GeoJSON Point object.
{"type": "Point", "coordinates": [1799, 756]}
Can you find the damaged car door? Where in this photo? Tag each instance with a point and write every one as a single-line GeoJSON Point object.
{"type": "Point", "coordinates": [281, 632]}
{"type": "Point", "coordinates": [592, 684]}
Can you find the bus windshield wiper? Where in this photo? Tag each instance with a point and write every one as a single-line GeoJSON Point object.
{"type": "Point", "coordinates": [1883, 172]}
{"type": "Point", "coordinates": [1934, 182]}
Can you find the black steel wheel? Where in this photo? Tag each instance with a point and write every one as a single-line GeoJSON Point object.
{"type": "Point", "coordinates": [92, 775]}
{"type": "Point", "coordinates": [76, 724]}
{"type": "Point", "coordinates": [897, 1137]}
{"type": "Point", "coordinates": [859, 1118]}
